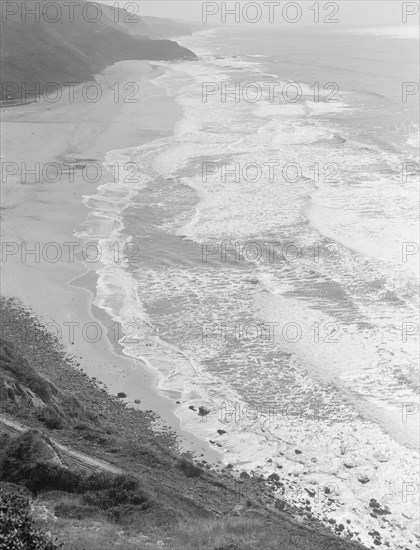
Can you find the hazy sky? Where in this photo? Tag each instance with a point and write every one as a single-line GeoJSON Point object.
{"type": "Point", "coordinates": [352, 13]}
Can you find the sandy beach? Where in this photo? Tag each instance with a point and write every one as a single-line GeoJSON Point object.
{"type": "Point", "coordinates": [41, 216]}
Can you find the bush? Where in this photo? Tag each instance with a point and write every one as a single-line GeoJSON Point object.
{"type": "Point", "coordinates": [50, 418]}
{"type": "Point", "coordinates": [31, 460]}
{"type": "Point", "coordinates": [44, 476]}
{"type": "Point", "coordinates": [17, 529]}
{"type": "Point", "coordinates": [23, 463]}
{"type": "Point", "coordinates": [189, 469]}
{"type": "Point", "coordinates": [106, 492]}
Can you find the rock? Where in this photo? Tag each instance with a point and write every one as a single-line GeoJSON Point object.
{"type": "Point", "coordinates": [363, 479]}
{"type": "Point", "coordinates": [378, 509]}
{"type": "Point", "coordinates": [202, 411]}
{"type": "Point", "coordinates": [192, 408]}
{"type": "Point", "coordinates": [137, 401]}
{"type": "Point", "coordinates": [178, 402]}
{"type": "Point", "coordinates": [244, 475]}
{"type": "Point", "coordinates": [229, 466]}
{"type": "Point", "coordinates": [279, 504]}
{"type": "Point", "coordinates": [382, 457]}
{"type": "Point", "coordinates": [298, 452]}
{"type": "Point", "coordinates": [221, 432]}
{"type": "Point", "coordinates": [273, 477]}
{"type": "Point", "coordinates": [310, 492]}
{"type": "Point", "coordinates": [121, 395]}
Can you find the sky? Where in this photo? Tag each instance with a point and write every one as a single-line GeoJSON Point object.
{"type": "Point", "coordinates": [349, 13]}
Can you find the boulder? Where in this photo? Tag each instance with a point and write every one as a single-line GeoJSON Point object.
{"type": "Point", "coordinates": [280, 504]}
{"type": "Point", "coordinates": [378, 509]}
{"type": "Point", "coordinates": [363, 479]}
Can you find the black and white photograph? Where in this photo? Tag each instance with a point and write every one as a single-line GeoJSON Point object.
{"type": "Point", "coordinates": [209, 278]}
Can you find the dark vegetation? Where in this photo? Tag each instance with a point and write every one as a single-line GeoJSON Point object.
{"type": "Point", "coordinates": [189, 468]}
{"type": "Point", "coordinates": [31, 460]}
{"type": "Point", "coordinates": [17, 528]}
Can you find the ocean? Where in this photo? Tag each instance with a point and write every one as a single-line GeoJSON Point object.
{"type": "Point", "coordinates": [271, 263]}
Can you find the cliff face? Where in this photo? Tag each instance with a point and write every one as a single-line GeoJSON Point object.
{"type": "Point", "coordinates": [41, 48]}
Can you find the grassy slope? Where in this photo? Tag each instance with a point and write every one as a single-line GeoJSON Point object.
{"type": "Point", "coordinates": [192, 507]}
{"type": "Point", "coordinates": [42, 51]}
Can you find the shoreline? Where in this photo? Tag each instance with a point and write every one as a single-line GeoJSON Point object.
{"type": "Point", "coordinates": [86, 139]}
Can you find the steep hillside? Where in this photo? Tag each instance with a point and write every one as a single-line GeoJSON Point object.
{"type": "Point", "coordinates": [37, 50]}
{"type": "Point", "coordinates": [24, 391]}
{"type": "Point", "coordinates": [167, 498]}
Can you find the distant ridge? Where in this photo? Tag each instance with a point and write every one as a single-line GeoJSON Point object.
{"type": "Point", "coordinates": [42, 51]}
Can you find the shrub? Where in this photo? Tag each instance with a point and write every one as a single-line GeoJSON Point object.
{"type": "Point", "coordinates": [17, 529]}
{"type": "Point", "coordinates": [189, 469]}
{"type": "Point", "coordinates": [106, 492]}
{"type": "Point", "coordinates": [44, 476]}
{"type": "Point", "coordinates": [25, 461]}
{"type": "Point", "coordinates": [50, 418]}
{"type": "Point", "coordinates": [31, 460]}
